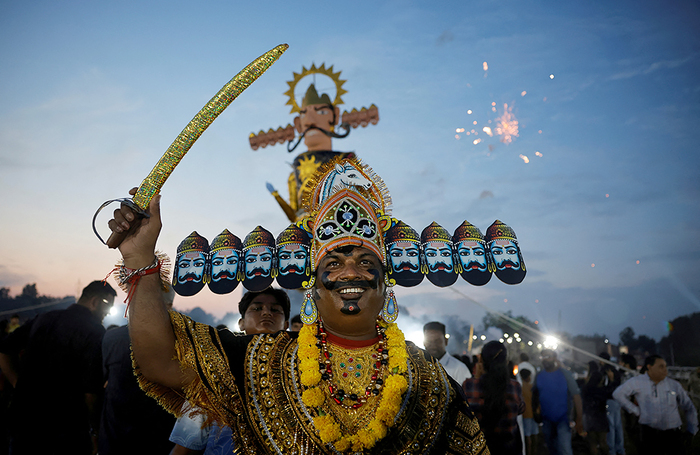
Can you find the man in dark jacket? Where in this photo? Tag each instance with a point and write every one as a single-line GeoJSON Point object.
{"type": "Point", "coordinates": [55, 364]}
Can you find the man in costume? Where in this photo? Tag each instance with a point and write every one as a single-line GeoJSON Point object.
{"type": "Point", "coordinates": [349, 383]}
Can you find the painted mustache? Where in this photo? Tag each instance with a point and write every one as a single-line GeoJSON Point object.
{"type": "Point", "coordinates": [364, 284]}
{"type": "Point", "coordinates": [189, 277]}
{"type": "Point", "coordinates": [326, 132]}
{"type": "Point", "coordinates": [291, 268]}
{"type": "Point", "coordinates": [508, 264]}
{"type": "Point", "coordinates": [473, 265]}
{"type": "Point", "coordinates": [224, 275]}
{"type": "Point", "coordinates": [445, 267]}
{"type": "Point", "coordinates": [405, 266]}
{"type": "Point", "coordinates": [258, 271]}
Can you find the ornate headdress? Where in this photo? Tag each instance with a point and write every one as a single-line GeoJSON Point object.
{"type": "Point", "coordinates": [500, 230]}
{"type": "Point", "coordinates": [347, 203]}
{"type": "Point", "coordinates": [193, 243]}
{"type": "Point", "coordinates": [225, 241]}
{"type": "Point", "coordinates": [312, 97]}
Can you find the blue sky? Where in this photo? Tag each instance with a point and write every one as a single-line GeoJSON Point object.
{"type": "Point", "coordinates": [92, 93]}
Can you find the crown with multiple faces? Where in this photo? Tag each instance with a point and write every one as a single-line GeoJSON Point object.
{"type": "Point", "coordinates": [348, 204]}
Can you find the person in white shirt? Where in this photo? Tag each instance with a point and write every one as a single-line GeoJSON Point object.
{"type": "Point", "coordinates": [658, 399]}
{"type": "Point", "coordinates": [435, 341]}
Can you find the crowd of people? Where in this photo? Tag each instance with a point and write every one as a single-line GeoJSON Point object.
{"type": "Point", "coordinates": [76, 381]}
{"type": "Point", "coordinates": [513, 409]}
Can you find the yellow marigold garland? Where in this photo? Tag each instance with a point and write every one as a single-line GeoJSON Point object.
{"type": "Point", "coordinates": [389, 404]}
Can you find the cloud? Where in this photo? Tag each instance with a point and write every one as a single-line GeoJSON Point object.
{"type": "Point", "coordinates": [648, 69]}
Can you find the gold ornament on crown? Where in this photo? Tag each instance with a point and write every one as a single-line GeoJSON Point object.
{"type": "Point", "coordinates": [335, 77]}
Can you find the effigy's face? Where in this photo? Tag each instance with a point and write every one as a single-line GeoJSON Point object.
{"type": "Point", "coordinates": [405, 261]}
{"type": "Point", "coordinates": [312, 118]}
{"type": "Point", "coordinates": [505, 255]}
{"type": "Point", "coordinates": [350, 290]}
{"type": "Point", "coordinates": [404, 257]}
{"type": "Point", "coordinates": [438, 256]}
{"type": "Point", "coordinates": [440, 262]}
{"type": "Point", "coordinates": [191, 267]}
{"type": "Point", "coordinates": [472, 255]}
{"type": "Point", "coordinates": [189, 272]}
{"type": "Point", "coordinates": [293, 259]}
{"type": "Point", "coordinates": [258, 262]}
{"type": "Point", "coordinates": [224, 265]}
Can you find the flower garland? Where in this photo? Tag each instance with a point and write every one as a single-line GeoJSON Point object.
{"type": "Point", "coordinates": [311, 368]}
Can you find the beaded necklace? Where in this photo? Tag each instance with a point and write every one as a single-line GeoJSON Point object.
{"type": "Point", "coordinates": [315, 366]}
{"type": "Point", "coordinates": [353, 401]}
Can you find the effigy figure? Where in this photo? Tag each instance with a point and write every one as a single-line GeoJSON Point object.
{"type": "Point", "coordinates": [316, 123]}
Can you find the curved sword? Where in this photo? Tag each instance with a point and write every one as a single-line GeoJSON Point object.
{"type": "Point", "coordinates": [152, 184]}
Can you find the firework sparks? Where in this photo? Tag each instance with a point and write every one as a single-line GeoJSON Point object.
{"type": "Point", "coordinates": [507, 125]}
{"type": "Point", "coordinates": [538, 154]}
{"type": "Point", "coordinates": [486, 66]}
{"type": "Point", "coordinates": [525, 159]}
{"type": "Point", "coordinates": [488, 131]}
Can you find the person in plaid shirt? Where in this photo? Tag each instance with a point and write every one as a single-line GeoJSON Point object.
{"type": "Point", "coordinates": [497, 400]}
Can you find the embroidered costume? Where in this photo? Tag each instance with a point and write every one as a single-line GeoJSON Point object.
{"type": "Point", "coordinates": [252, 384]}
{"type": "Point", "coordinates": [316, 393]}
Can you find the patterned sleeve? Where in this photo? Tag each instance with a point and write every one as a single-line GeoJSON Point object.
{"type": "Point", "coordinates": [199, 348]}
{"type": "Point", "coordinates": [473, 394]}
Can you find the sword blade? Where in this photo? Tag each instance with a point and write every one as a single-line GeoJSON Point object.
{"type": "Point", "coordinates": [152, 184]}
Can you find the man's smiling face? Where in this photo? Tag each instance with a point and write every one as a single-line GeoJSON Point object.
{"type": "Point", "coordinates": [350, 291]}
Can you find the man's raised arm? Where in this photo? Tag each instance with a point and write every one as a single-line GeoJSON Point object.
{"type": "Point", "coordinates": [152, 337]}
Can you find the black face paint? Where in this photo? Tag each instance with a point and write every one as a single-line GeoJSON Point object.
{"type": "Point", "coordinates": [377, 277]}
{"type": "Point", "coordinates": [350, 307]}
{"type": "Point", "coordinates": [364, 284]}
